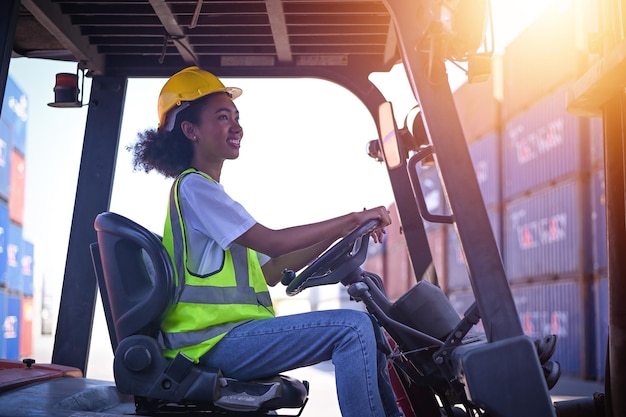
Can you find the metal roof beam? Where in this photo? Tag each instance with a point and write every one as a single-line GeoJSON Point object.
{"type": "Point", "coordinates": [60, 26]}
{"type": "Point", "coordinates": [278, 23]}
{"type": "Point", "coordinates": [174, 31]}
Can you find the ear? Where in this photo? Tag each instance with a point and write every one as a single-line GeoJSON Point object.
{"type": "Point", "coordinates": [188, 129]}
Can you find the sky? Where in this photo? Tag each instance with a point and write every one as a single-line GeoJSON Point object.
{"type": "Point", "coordinates": [302, 159]}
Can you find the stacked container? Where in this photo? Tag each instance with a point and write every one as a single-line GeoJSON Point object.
{"type": "Point", "coordinates": [541, 174]}
{"type": "Point", "coordinates": [16, 254]}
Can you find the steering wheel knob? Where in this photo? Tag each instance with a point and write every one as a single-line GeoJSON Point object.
{"type": "Point", "coordinates": [287, 277]}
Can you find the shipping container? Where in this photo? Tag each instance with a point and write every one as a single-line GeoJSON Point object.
{"type": "Point", "coordinates": [560, 308]}
{"type": "Point", "coordinates": [485, 154]}
{"type": "Point", "coordinates": [11, 326]}
{"type": "Point", "coordinates": [14, 254]}
{"type": "Point", "coordinates": [15, 114]}
{"type": "Point", "coordinates": [457, 276]}
{"type": "Point", "coordinates": [26, 264]}
{"type": "Point", "coordinates": [3, 314]}
{"type": "Point", "coordinates": [598, 218]}
{"type": "Point", "coordinates": [398, 274]}
{"type": "Point", "coordinates": [5, 161]}
{"type": "Point", "coordinates": [547, 233]}
{"type": "Point", "coordinates": [548, 54]}
{"type": "Point", "coordinates": [556, 307]}
{"type": "Point", "coordinates": [17, 183]}
{"type": "Point", "coordinates": [26, 326]}
{"type": "Point", "coordinates": [600, 289]}
{"type": "Point", "coordinates": [478, 106]}
{"type": "Point", "coordinates": [4, 231]}
{"type": "Point", "coordinates": [542, 145]}
{"type": "Point", "coordinates": [461, 300]}
{"type": "Point", "coordinates": [437, 242]}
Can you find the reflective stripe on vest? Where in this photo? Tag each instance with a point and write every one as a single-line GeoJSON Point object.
{"type": "Point", "coordinates": [204, 312]}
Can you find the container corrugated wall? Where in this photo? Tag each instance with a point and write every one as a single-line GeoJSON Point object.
{"type": "Point", "coordinates": [598, 225]}
{"type": "Point", "coordinates": [14, 253]}
{"type": "Point", "coordinates": [456, 270]}
{"type": "Point", "coordinates": [17, 185]}
{"type": "Point", "coordinates": [4, 232]}
{"type": "Point", "coordinates": [5, 161]}
{"type": "Point", "coordinates": [542, 145]}
{"type": "Point", "coordinates": [437, 242]}
{"type": "Point", "coordinates": [544, 309]}
{"type": "Point", "coordinates": [546, 234]}
{"type": "Point", "coordinates": [398, 274]}
{"type": "Point", "coordinates": [485, 154]}
{"type": "Point", "coordinates": [556, 308]}
{"type": "Point", "coordinates": [543, 57]}
{"type": "Point", "coordinates": [15, 114]}
{"type": "Point", "coordinates": [12, 326]}
{"type": "Point", "coordinates": [6, 331]}
{"type": "Point", "coordinates": [26, 267]}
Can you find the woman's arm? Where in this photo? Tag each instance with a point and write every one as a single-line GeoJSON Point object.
{"type": "Point", "coordinates": [296, 260]}
{"type": "Point", "coordinates": [295, 247]}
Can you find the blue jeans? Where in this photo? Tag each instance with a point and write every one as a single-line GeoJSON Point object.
{"type": "Point", "coordinates": [263, 348]}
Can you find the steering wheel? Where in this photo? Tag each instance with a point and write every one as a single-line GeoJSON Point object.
{"type": "Point", "coordinates": [343, 258]}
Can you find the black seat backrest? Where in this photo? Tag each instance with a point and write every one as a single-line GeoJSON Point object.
{"type": "Point", "coordinates": [137, 279]}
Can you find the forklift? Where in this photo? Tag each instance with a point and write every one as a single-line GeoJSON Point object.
{"type": "Point", "coordinates": [441, 366]}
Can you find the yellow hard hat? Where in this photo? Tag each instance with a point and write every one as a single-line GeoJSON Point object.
{"type": "Point", "coordinates": [184, 87]}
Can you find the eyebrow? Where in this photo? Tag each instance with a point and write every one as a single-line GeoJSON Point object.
{"type": "Point", "coordinates": [227, 109]}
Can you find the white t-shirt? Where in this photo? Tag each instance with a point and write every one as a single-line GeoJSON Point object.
{"type": "Point", "coordinates": [213, 222]}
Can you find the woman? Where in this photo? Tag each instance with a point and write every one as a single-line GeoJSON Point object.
{"type": "Point", "coordinates": [223, 315]}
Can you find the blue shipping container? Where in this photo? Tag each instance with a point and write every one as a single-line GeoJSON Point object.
{"type": "Point", "coordinates": [546, 234]}
{"type": "Point", "coordinates": [486, 160]}
{"type": "Point", "coordinates": [598, 217]}
{"type": "Point", "coordinates": [11, 326]}
{"type": "Point", "coordinates": [5, 159]}
{"type": "Point", "coordinates": [544, 309]}
{"type": "Point", "coordinates": [15, 114]}
{"type": "Point", "coordinates": [4, 230]}
{"type": "Point", "coordinates": [456, 268]}
{"type": "Point", "coordinates": [14, 254]}
{"type": "Point", "coordinates": [461, 300]}
{"type": "Point", "coordinates": [3, 314]}
{"type": "Point", "coordinates": [556, 308]}
{"type": "Point", "coordinates": [600, 289]}
{"type": "Point", "coordinates": [542, 145]}
{"type": "Point", "coordinates": [26, 266]}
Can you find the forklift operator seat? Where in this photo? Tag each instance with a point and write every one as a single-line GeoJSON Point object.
{"type": "Point", "coordinates": [136, 282]}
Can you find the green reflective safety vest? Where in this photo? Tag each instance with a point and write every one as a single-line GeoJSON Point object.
{"type": "Point", "coordinates": [205, 308]}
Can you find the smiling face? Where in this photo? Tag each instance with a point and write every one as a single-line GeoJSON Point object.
{"type": "Point", "coordinates": [217, 135]}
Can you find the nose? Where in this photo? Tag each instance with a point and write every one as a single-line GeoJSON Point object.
{"type": "Point", "coordinates": [236, 127]}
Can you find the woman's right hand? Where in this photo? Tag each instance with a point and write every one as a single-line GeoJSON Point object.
{"type": "Point", "coordinates": [382, 215]}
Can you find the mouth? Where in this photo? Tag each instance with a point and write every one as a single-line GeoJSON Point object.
{"type": "Point", "coordinates": [234, 142]}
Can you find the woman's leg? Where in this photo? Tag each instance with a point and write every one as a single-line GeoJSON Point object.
{"type": "Point", "coordinates": [268, 347]}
